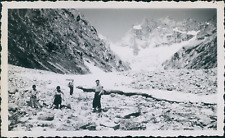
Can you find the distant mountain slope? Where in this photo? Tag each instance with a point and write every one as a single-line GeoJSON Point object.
{"type": "Point", "coordinates": [202, 55]}
{"type": "Point", "coordinates": [58, 40]}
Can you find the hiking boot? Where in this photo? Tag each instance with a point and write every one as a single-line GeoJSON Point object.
{"type": "Point", "coordinates": [99, 110]}
{"type": "Point", "coordinates": [94, 110]}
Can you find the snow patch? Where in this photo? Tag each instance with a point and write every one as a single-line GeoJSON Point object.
{"type": "Point", "coordinates": [177, 30]}
{"type": "Point", "coordinates": [92, 68]}
{"type": "Point", "coordinates": [137, 27]}
{"type": "Point", "coordinates": [193, 33]}
{"type": "Point", "coordinates": [183, 97]}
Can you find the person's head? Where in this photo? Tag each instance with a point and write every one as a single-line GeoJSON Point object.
{"type": "Point", "coordinates": [97, 82]}
{"type": "Point", "coordinates": [34, 87]}
{"type": "Point", "coordinates": [58, 87]}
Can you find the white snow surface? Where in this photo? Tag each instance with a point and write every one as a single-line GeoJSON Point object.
{"type": "Point", "coordinates": [93, 68]}
{"type": "Point", "coordinates": [188, 32]}
{"type": "Point", "coordinates": [137, 27]}
{"type": "Point", "coordinates": [193, 32]}
{"type": "Point", "coordinates": [177, 30]}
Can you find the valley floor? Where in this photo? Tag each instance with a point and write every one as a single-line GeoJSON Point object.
{"type": "Point", "coordinates": [180, 100]}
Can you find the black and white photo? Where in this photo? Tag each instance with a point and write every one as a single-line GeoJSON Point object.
{"type": "Point", "coordinates": [99, 71]}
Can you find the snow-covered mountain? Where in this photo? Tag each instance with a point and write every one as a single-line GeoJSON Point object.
{"type": "Point", "coordinates": [155, 33]}
{"type": "Point", "coordinates": [58, 40]}
{"type": "Point", "coordinates": [151, 43]}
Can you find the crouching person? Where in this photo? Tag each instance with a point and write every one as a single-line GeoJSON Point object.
{"type": "Point", "coordinates": [58, 97]}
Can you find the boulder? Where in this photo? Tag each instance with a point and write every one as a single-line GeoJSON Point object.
{"type": "Point", "coordinates": [108, 124]}
{"type": "Point", "coordinates": [128, 124]}
{"type": "Point", "coordinates": [89, 126]}
{"type": "Point", "coordinates": [46, 116]}
{"type": "Point", "coordinates": [12, 107]}
{"type": "Point", "coordinates": [136, 114]}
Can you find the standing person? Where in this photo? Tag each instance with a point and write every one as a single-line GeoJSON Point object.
{"type": "Point", "coordinates": [97, 98]}
{"type": "Point", "coordinates": [70, 85]}
{"type": "Point", "coordinates": [33, 98]}
{"type": "Point", "coordinates": [58, 97]}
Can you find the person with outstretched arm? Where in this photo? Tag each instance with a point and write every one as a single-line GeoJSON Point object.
{"type": "Point", "coordinates": [97, 98]}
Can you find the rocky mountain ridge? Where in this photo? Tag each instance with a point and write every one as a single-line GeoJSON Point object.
{"type": "Point", "coordinates": [58, 40]}
{"type": "Point", "coordinates": [200, 55]}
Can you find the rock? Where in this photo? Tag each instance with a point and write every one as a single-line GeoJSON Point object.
{"type": "Point", "coordinates": [205, 121]}
{"type": "Point", "coordinates": [132, 114]}
{"type": "Point", "coordinates": [28, 129]}
{"type": "Point", "coordinates": [64, 127]}
{"type": "Point", "coordinates": [213, 125]}
{"type": "Point", "coordinates": [46, 116]}
{"type": "Point", "coordinates": [169, 89]}
{"type": "Point", "coordinates": [112, 94]}
{"type": "Point", "coordinates": [44, 124]}
{"type": "Point", "coordinates": [108, 124]}
{"type": "Point", "coordinates": [84, 108]}
{"type": "Point", "coordinates": [68, 106]}
{"type": "Point", "coordinates": [89, 126]}
{"type": "Point", "coordinates": [12, 107]}
{"type": "Point", "coordinates": [116, 127]}
{"type": "Point", "coordinates": [34, 112]}
{"type": "Point", "coordinates": [13, 92]}
{"type": "Point", "coordinates": [99, 128]}
{"type": "Point", "coordinates": [131, 125]}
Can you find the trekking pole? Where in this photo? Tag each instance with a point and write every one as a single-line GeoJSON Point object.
{"type": "Point", "coordinates": [51, 106]}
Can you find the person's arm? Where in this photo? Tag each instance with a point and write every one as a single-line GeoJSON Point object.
{"type": "Point", "coordinates": [62, 95]}
{"type": "Point", "coordinates": [37, 94]}
{"type": "Point", "coordinates": [30, 93]}
{"type": "Point", "coordinates": [54, 95]}
{"type": "Point", "coordinates": [101, 92]}
{"type": "Point", "coordinates": [53, 99]}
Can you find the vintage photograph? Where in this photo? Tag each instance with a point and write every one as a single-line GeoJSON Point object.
{"type": "Point", "coordinates": [105, 69]}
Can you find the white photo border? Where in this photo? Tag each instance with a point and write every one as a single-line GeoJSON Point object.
{"type": "Point", "coordinates": [91, 5]}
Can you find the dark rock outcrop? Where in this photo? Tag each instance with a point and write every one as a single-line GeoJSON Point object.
{"type": "Point", "coordinates": [201, 55]}
{"type": "Point", "coordinates": [58, 40]}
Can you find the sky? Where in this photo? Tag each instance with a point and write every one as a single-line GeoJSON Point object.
{"type": "Point", "coordinates": [114, 23]}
